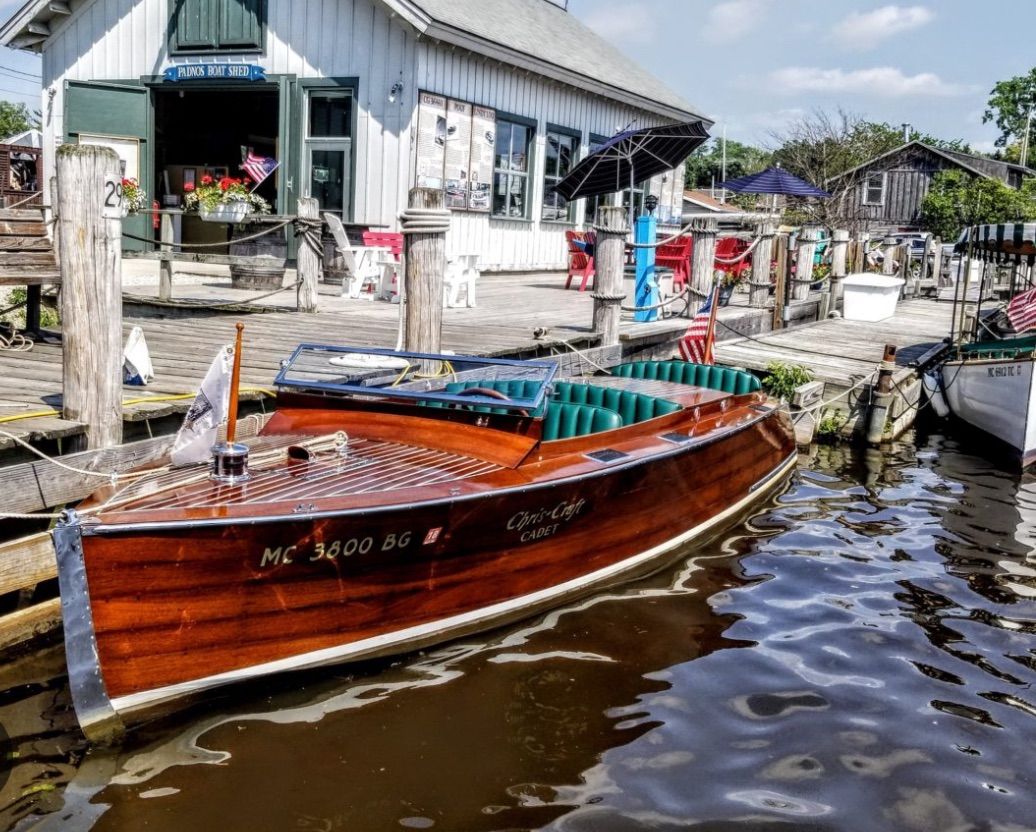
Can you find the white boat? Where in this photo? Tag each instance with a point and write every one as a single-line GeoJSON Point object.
{"type": "Point", "coordinates": [989, 385]}
{"type": "Point", "coordinates": [988, 382]}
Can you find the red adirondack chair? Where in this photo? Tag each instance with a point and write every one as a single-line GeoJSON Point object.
{"type": "Point", "coordinates": [727, 248]}
{"type": "Point", "coordinates": [580, 257]}
{"type": "Point", "coordinates": [676, 256]}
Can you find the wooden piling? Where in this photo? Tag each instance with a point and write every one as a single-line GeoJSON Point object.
{"type": "Point", "coordinates": [90, 241]}
{"type": "Point", "coordinates": [424, 226]}
{"type": "Point", "coordinates": [703, 254]}
{"type": "Point", "coordinates": [609, 256]}
{"type": "Point", "coordinates": [806, 248]}
{"type": "Point", "coordinates": [839, 253]}
{"type": "Point", "coordinates": [780, 290]}
{"type": "Point", "coordinates": [165, 265]}
{"type": "Point", "coordinates": [888, 263]}
{"type": "Point", "coordinates": [882, 402]}
{"type": "Point", "coordinates": [762, 257]}
{"type": "Point", "coordinates": [310, 256]}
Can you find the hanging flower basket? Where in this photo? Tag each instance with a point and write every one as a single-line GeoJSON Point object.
{"type": "Point", "coordinates": [232, 212]}
{"type": "Point", "coordinates": [227, 200]}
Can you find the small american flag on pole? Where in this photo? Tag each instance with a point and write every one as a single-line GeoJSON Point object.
{"type": "Point", "coordinates": [696, 344]}
{"type": "Point", "coordinates": [1021, 311]}
{"type": "Point", "coordinates": [258, 167]}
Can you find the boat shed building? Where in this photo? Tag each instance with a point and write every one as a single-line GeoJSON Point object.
{"type": "Point", "coordinates": [358, 101]}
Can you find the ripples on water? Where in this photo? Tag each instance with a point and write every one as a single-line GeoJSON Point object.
{"type": "Point", "coordinates": [858, 656]}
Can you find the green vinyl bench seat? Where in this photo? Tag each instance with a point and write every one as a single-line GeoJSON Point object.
{"type": "Point", "coordinates": [631, 407]}
{"type": "Point", "coordinates": [724, 379]}
{"type": "Point", "coordinates": [512, 388]}
{"type": "Point", "coordinates": [566, 421]}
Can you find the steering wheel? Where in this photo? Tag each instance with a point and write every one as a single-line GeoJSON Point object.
{"type": "Point", "coordinates": [488, 392]}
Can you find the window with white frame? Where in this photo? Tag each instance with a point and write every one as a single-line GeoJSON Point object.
{"type": "Point", "coordinates": [874, 189]}
{"type": "Point", "coordinates": [561, 151]}
{"type": "Point", "coordinates": [511, 169]}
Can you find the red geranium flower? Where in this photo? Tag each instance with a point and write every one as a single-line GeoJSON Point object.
{"type": "Point", "coordinates": [188, 186]}
{"type": "Point", "coordinates": [206, 180]}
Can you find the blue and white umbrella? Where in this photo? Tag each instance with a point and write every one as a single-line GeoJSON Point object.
{"type": "Point", "coordinates": [773, 181]}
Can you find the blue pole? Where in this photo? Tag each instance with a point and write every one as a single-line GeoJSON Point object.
{"type": "Point", "coordinates": [646, 293]}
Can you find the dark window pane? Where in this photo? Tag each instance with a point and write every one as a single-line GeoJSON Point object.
{"type": "Point", "coordinates": [566, 153]}
{"type": "Point", "coordinates": [330, 115]}
{"type": "Point", "coordinates": [519, 147]}
{"type": "Point", "coordinates": [553, 150]}
{"type": "Point", "coordinates": [328, 178]}
{"type": "Point", "coordinates": [500, 194]}
{"type": "Point", "coordinates": [503, 144]}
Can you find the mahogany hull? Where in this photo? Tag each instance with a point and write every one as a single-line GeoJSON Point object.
{"type": "Point", "coordinates": [178, 607]}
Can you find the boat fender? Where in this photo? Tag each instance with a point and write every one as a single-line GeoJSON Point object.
{"type": "Point", "coordinates": [932, 381]}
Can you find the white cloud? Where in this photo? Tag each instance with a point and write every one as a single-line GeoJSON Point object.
{"type": "Point", "coordinates": [626, 23]}
{"type": "Point", "coordinates": [732, 19]}
{"type": "Point", "coordinates": [866, 30]}
{"type": "Point", "coordinates": [879, 81]}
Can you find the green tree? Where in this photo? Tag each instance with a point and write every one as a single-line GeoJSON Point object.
{"type": "Point", "coordinates": [1009, 106]}
{"type": "Point", "coordinates": [957, 199]}
{"type": "Point", "coordinates": [16, 118]}
{"type": "Point", "coordinates": [705, 165]}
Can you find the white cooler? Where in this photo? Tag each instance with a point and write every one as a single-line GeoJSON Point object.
{"type": "Point", "coordinates": [870, 297]}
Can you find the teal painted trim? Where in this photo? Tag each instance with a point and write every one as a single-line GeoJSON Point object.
{"type": "Point", "coordinates": [217, 48]}
{"type": "Point", "coordinates": [564, 131]}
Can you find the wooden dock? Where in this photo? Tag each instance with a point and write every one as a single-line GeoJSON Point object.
{"type": "Point", "coordinates": [841, 354]}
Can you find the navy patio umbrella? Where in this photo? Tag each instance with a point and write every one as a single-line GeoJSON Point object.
{"type": "Point", "coordinates": [630, 157]}
{"type": "Point", "coordinates": [773, 181]}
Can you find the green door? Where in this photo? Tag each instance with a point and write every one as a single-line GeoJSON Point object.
{"type": "Point", "coordinates": [115, 113]}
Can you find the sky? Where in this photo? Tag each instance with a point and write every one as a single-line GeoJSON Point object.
{"type": "Point", "coordinates": [756, 65]}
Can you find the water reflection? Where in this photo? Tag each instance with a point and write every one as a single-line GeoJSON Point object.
{"type": "Point", "coordinates": [859, 656]}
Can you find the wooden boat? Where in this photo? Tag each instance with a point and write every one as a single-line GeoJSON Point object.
{"type": "Point", "coordinates": [987, 379]}
{"type": "Point", "coordinates": [383, 509]}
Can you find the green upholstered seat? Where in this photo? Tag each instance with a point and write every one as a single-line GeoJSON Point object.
{"type": "Point", "coordinates": [565, 421]}
{"type": "Point", "coordinates": [512, 388]}
{"type": "Point", "coordinates": [632, 407]}
{"type": "Point", "coordinates": [724, 379]}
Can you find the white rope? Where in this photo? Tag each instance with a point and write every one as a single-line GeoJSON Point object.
{"type": "Point", "coordinates": [112, 476]}
{"type": "Point", "coordinates": [742, 255]}
{"type": "Point", "coordinates": [424, 220]}
{"type": "Point", "coordinates": [841, 395]}
{"type": "Point", "coordinates": [29, 198]}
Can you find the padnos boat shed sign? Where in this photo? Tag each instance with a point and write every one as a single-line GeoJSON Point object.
{"type": "Point", "coordinates": [215, 72]}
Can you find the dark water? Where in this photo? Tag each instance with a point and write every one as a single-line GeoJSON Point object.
{"type": "Point", "coordinates": [860, 655]}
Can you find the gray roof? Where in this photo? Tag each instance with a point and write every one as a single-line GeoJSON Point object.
{"type": "Point", "coordinates": [541, 30]}
{"type": "Point", "coordinates": [977, 165]}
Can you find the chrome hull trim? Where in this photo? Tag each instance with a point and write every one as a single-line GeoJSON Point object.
{"type": "Point", "coordinates": [97, 716]}
{"type": "Point", "coordinates": [444, 629]}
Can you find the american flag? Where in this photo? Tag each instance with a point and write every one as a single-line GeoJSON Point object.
{"type": "Point", "coordinates": [258, 167]}
{"type": "Point", "coordinates": [696, 344]}
{"type": "Point", "coordinates": [1021, 311]}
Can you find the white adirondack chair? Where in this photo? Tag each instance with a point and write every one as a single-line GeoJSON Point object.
{"type": "Point", "coordinates": [461, 273]}
{"type": "Point", "coordinates": [362, 262]}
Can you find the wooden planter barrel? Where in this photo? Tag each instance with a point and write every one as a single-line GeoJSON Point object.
{"type": "Point", "coordinates": [272, 247]}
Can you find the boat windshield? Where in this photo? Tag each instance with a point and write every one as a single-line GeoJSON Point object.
{"type": "Point", "coordinates": [425, 378]}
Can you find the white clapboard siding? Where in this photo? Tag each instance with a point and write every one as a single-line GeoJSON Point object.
{"type": "Point", "coordinates": [111, 40]}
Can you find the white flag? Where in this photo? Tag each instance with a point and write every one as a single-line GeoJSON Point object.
{"type": "Point", "coordinates": [198, 433]}
{"type": "Point", "coordinates": [136, 360]}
